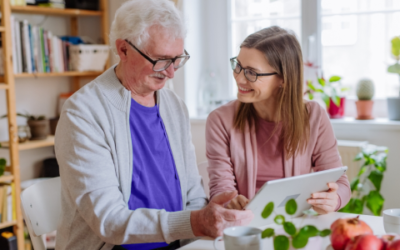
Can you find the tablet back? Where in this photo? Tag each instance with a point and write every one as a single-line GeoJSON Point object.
{"type": "Point", "coordinates": [299, 188]}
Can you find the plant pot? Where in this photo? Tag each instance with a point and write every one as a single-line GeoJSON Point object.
{"type": "Point", "coordinates": [364, 109]}
{"type": "Point", "coordinates": [53, 125]}
{"type": "Point", "coordinates": [393, 108]}
{"type": "Point", "coordinates": [39, 129]}
{"type": "Point", "coordinates": [335, 111]}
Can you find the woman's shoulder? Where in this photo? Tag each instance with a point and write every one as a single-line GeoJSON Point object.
{"type": "Point", "coordinates": [224, 113]}
{"type": "Point", "coordinates": [314, 109]}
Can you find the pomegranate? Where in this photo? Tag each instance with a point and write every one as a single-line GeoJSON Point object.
{"type": "Point", "coordinates": [365, 242]}
{"type": "Point", "coordinates": [345, 229]}
{"type": "Point", "coordinates": [388, 238]}
{"type": "Point", "coordinates": [394, 245]}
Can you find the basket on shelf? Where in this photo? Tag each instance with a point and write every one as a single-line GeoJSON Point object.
{"type": "Point", "coordinates": [88, 57]}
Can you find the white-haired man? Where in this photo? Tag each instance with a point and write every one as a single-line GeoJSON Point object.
{"type": "Point", "coordinates": [128, 168]}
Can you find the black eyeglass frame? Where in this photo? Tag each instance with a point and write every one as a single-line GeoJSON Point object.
{"type": "Point", "coordinates": [233, 59]}
{"type": "Point", "coordinates": [186, 57]}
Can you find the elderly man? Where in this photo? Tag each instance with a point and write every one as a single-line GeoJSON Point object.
{"type": "Point", "coordinates": [128, 168]}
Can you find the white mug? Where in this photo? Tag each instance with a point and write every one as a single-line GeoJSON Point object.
{"type": "Point", "coordinates": [391, 220]}
{"type": "Point", "coordinates": [239, 238]}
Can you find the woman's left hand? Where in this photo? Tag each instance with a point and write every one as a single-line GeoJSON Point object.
{"type": "Point", "coordinates": [325, 202]}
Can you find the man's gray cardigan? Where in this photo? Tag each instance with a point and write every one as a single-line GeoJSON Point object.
{"type": "Point", "coordinates": [94, 151]}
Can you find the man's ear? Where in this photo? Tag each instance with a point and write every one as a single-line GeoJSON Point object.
{"type": "Point", "coordinates": [120, 44]}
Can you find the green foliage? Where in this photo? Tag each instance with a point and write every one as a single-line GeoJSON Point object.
{"type": "Point", "coordinates": [298, 238]}
{"type": "Point", "coordinates": [329, 90]}
{"type": "Point", "coordinates": [3, 164]}
{"type": "Point", "coordinates": [372, 170]}
{"type": "Point", "coordinates": [29, 117]}
{"type": "Point", "coordinates": [395, 68]}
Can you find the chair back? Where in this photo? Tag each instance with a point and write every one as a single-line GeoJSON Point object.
{"type": "Point", "coordinates": [204, 174]}
{"type": "Point", "coordinates": [41, 208]}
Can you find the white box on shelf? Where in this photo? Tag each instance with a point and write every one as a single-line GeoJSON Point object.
{"type": "Point", "coordinates": [88, 57]}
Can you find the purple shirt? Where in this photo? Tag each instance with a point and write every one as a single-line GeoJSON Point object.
{"type": "Point", "coordinates": [155, 181]}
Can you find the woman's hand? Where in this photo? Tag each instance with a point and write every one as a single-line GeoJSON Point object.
{"type": "Point", "coordinates": [325, 202]}
{"type": "Point", "coordinates": [238, 203]}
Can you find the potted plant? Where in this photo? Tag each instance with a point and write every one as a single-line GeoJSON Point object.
{"type": "Point", "coordinates": [331, 92]}
{"type": "Point", "coordinates": [3, 163]}
{"type": "Point", "coordinates": [38, 125]}
{"type": "Point", "coordinates": [367, 185]}
{"type": "Point", "coordinates": [394, 102]}
{"type": "Point", "coordinates": [293, 238]}
{"type": "Point", "coordinates": [365, 92]}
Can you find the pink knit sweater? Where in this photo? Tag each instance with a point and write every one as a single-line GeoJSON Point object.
{"type": "Point", "coordinates": [232, 155]}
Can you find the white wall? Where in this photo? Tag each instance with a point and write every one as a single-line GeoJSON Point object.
{"type": "Point", "coordinates": [379, 134]}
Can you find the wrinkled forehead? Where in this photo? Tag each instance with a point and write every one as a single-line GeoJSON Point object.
{"type": "Point", "coordinates": [163, 43]}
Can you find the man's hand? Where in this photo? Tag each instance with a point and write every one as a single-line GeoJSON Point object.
{"type": "Point", "coordinates": [325, 202]}
{"type": "Point", "coordinates": [238, 203]}
{"type": "Point", "coordinates": [214, 218]}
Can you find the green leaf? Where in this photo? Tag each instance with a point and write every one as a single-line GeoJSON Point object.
{"type": "Point", "coordinates": [321, 81]}
{"type": "Point", "coordinates": [3, 162]}
{"type": "Point", "coordinates": [336, 100]}
{"type": "Point", "coordinates": [309, 231]}
{"type": "Point", "coordinates": [269, 232]}
{"type": "Point", "coordinates": [375, 202]}
{"type": "Point", "coordinates": [326, 99]}
{"type": "Point", "coordinates": [267, 210]}
{"type": "Point", "coordinates": [334, 79]}
{"type": "Point", "coordinates": [396, 46]}
{"type": "Point", "coordinates": [362, 170]}
{"type": "Point", "coordinates": [291, 207]}
{"type": "Point", "coordinates": [279, 219]}
{"type": "Point", "coordinates": [376, 178]}
{"type": "Point", "coordinates": [344, 89]}
{"type": "Point", "coordinates": [289, 228]}
{"type": "Point", "coordinates": [354, 183]}
{"type": "Point", "coordinates": [354, 206]}
{"type": "Point", "coordinates": [299, 241]}
{"type": "Point", "coordinates": [311, 86]}
{"type": "Point", "coordinates": [325, 232]}
{"type": "Point", "coordinates": [310, 96]}
{"type": "Point", "coordinates": [319, 90]}
{"type": "Point", "coordinates": [359, 156]}
{"type": "Point", "coordinates": [281, 242]}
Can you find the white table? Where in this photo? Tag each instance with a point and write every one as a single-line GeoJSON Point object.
{"type": "Point", "coordinates": [321, 222]}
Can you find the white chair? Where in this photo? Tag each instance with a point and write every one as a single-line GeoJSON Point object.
{"type": "Point", "coordinates": [41, 208]}
{"type": "Point", "coordinates": [204, 174]}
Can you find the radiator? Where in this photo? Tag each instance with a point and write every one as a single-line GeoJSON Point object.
{"type": "Point", "coordinates": [348, 151]}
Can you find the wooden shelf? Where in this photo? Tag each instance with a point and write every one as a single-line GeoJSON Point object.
{"type": "Point", "coordinates": [3, 86]}
{"type": "Point", "coordinates": [53, 74]}
{"type": "Point", "coordinates": [7, 224]}
{"type": "Point", "coordinates": [54, 11]}
{"type": "Point", "coordinates": [2, 29]}
{"type": "Point", "coordinates": [32, 144]}
{"type": "Point", "coordinates": [6, 178]}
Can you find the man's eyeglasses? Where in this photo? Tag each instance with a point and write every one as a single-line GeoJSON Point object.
{"type": "Point", "coordinates": [162, 64]}
{"type": "Point", "coordinates": [250, 75]}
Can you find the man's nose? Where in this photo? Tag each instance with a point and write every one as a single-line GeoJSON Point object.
{"type": "Point", "coordinates": [170, 71]}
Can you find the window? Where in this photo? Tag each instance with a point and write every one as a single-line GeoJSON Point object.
{"type": "Point", "coordinates": [349, 38]}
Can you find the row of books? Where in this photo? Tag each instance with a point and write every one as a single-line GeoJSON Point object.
{"type": "Point", "coordinates": [37, 50]}
{"type": "Point", "coordinates": [43, 3]}
{"type": "Point", "coordinates": [7, 203]}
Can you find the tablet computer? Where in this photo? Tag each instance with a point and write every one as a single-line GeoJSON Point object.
{"type": "Point", "coordinates": [298, 187]}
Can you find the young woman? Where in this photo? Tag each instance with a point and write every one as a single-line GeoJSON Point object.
{"type": "Point", "coordinates": [270, 132]}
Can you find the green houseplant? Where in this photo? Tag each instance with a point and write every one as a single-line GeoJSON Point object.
{"type": "Point", "coordinates": [367, 185]}
{"type": "Point", "coordinates": [298, 238]}
{"type": "Point", "coordinates": [38, 125]}
{"type": "Point", "coordinates": [331, 93]}
{"type": "Point", "coordinates": [394, 102]}
{"type": "Point", "coordinates": [365, 91]}
{"type": "Point", "coordinates": [3, 163]}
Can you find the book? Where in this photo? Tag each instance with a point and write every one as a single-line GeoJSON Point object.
{"type": "Point", "coordinates": [1, 203]}
{"type": "Point", "coordinates": [27, 46]}
{"type": "Point", "coordinates": [14, 46]}
{"type": "Point", "coordinates": [31, 43]}
{"type": "Point", "coordinates": [4, 212]}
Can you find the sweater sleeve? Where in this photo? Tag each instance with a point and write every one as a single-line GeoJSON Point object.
{"type": "Point", "coordinates": [89, 180]}
{"type": "Point", "coordinates": [220, 168]}
{"type": "Point", "coordinates": [326, 155]}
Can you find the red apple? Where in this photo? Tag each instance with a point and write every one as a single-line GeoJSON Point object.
{"type": "Point", "coordinates": [394, 245]}
{"type": "Point", "coordinates": [365, 242]}
{"type": "Point", "coordinates": [345, 229]}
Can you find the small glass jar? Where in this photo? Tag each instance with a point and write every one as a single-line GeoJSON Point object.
{"type": "Point", "coordinates": [24, 133]}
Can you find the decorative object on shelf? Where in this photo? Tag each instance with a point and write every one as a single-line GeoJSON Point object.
{"type": "Point", "coordinates": [38, 125]}
{"type": "Point", "coordinates": [394, 102]}
{"type": "Point", "coordinates": [88, 57]}
{"type": "Point", "coordinates": [3, 164]}
{"type": "Point", "coordinates": [82, 4]}
{"type": "Point", "coordinates": [24, 133]}
{"type": "Point", "coordinates": [298, 238]}
{"type": "Point", "coordinates": [367, 185]}
{"type": "Point", "coordinates": [365, 91]}
{"type": "Point", "coordinates": [331, 92]}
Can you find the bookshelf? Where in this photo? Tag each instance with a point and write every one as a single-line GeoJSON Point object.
{"type": "Point", "coordinates": [7, 84]}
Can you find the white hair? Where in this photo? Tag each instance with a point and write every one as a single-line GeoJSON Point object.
{"type": "Point", "coordinates": [134, 18]}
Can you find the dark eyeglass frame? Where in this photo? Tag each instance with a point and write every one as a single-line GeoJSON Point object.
{"type": "Point", "coordinates": [185, 57]}
{"type": "Point", "coordinates": [246, 71]}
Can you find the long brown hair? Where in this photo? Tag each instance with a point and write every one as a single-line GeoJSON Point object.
{"type": "Point", "coordinates": [283, 53]}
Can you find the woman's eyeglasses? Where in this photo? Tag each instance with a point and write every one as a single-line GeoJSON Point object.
{"type": "Point", "coordinates": [250, 75]}
{"type": "Point", "coordinates": [163, 64]}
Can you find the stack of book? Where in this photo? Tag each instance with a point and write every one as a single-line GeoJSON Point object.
{"type": "Point", "coordinates": [7, 203]}
{"type": "Point", "coordinates": [37, 50]}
